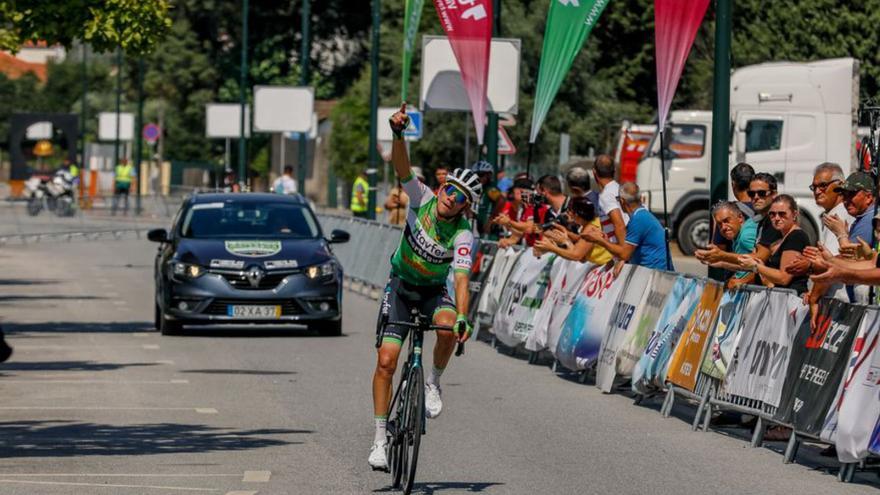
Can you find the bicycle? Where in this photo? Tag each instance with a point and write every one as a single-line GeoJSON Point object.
{"type": "Point", "coordinates": [406, 424]}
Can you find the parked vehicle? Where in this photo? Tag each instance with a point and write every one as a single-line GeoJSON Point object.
{"type": "Point", "coordinates": [786, 118]}
{"type": "Point", "coordinates": [632, 141]}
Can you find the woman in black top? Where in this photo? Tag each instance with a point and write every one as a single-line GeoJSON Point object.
{"type": "Point", "coordinates": [783, 216]}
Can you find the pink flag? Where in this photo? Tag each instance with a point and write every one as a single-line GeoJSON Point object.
{"type": "Point", "coordinates": [468, 24]}
{"type": "Point", "coordinates": [675, 24]}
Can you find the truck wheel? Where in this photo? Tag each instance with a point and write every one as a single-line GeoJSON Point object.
{"type": "Point", "coordinates": [694, 232]}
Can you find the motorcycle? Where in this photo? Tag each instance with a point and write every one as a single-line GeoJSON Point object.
{"type": "Point", "coordinates": [56, 193]}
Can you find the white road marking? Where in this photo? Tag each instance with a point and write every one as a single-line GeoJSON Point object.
{"type": "Point", "coordinates": [241, 492]}
{"type": "Point", "coordinates": [257, 476]}
{"type": "Point", "coordinates": [151, 347]}
{"type": "Point", "coordinates": [152, 487]}
{"type": "Point", "coordinates": [142, 334]}
{"type": "Point", "coordinates": [165, 362]}
{"type": "Point", "coordinates": [200, 410]}
{"type": "Point", "coordinates": [120, 303]}
{"type": "Point", "coordinates": [113, 382]}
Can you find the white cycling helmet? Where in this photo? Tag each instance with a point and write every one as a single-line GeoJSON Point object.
{"type": "Point", "coordinates": [483, 167]}
{"type": "Point", "coordinates": [467, 181]}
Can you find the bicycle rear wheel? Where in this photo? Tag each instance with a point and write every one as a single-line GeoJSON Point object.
{"type": "Point", "coordinates": [412, 432]}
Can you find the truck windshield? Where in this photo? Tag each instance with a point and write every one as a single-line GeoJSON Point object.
{"type": "Point", "coordinates": [232, 220]}
{"type": "Point", "coordinates": [763, 135]}
{"type": "Point", "coordinates": [684, 141]}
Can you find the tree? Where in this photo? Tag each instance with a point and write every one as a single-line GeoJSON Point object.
{"type": "Point", "coordinates": [134, 25]}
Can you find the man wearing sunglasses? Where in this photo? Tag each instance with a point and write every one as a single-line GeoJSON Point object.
{"type": "Point", "coordinates": [437, 236]}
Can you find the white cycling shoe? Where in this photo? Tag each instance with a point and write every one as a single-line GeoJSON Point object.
{"type": "Point", "coordinates": [378, 458]}
{"type": "Point", "coordinates": [433, 401]}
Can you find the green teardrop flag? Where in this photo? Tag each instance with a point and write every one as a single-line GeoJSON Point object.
{"type": "Point", "coordinates": [413, 14]}
{"type": "Point", "coordinates": [568, 25]}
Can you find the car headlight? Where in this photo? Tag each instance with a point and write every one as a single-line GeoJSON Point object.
{"type": "Point", "coordinates": [319, 271]}
{"type": "Point", "coordinates": [186, 270]}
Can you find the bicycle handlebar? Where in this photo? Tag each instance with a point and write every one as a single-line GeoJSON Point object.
{"type": "Point", "coordinates": [459, 349]}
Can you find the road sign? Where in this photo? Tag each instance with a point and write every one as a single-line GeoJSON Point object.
{"type": "Point", "coordinates": [151, 133]}
{"type": "Point", "coordinates": [107, 126]}
{"type": "Point", "coordinates": [223, 120]}
{"type": "Point", "coordinates": [505, 145]}
{"type": "Point", "coordinates": [412, 133]}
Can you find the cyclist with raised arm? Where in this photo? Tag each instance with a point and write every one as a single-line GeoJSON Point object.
{"type": "Point", "coordinates": [437, 236]}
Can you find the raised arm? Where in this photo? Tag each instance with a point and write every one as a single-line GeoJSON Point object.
{"type": "Point", "coordinates": [399, 155]}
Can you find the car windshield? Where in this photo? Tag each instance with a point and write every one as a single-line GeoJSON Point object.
{"type": "Point", "coordinates": [236, 220]}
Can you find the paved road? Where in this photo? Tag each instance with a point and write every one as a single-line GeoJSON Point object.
{"type": "Point", "coordinates": [95, 402]}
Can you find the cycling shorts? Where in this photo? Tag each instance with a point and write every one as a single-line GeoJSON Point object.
{"type": "Point", "coordinates": [398, 301]}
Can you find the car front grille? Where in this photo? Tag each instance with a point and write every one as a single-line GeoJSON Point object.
{"type": "Point", "coordinates": [239, 280]}
{"type": "Point", "coordinates": [220, 307]}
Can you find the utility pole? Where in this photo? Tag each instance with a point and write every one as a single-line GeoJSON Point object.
{"type": "Point", "coordinates": [492, 117]}
{"type": "Point", "coordinates": [82, 119]}
{"type": "Point", "coordinates": [118, 104]}
{"type": "Point", "coordinates": [139, 137]}
{"type": "Point", "coordinates": [374, 110]}
{"type": "Point", "coordinates": [305, 59]}
{"type": "Point", "coordinates": [720, 112]}
{"type": "Point", "coordinates": [242, 95]}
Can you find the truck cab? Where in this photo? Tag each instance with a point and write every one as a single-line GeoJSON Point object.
{"type": "Point", "coordinates": [787, 118]}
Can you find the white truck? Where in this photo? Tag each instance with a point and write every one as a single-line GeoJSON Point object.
{"type": "Point", "coordinates": [786, 118]}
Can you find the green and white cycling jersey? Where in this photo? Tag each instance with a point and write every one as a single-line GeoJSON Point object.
{"type": "Point", "coordinates": [430, 245]}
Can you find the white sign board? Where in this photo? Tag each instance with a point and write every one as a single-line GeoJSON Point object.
{"type": "Point", "coordinates": [107, 126]}
{"type": "Point", "coordinates": [223, 120]}
{"type": "Point", "coordinates": [383, 130]}
{"type": "Point", "coordinates": [441, 80]}
{"type": "Point", "coordinates": [40, 130]}
{"type": "Point", "coordinates": [283, 108]}
{"type": "Point", "coordinates": [313, 131]}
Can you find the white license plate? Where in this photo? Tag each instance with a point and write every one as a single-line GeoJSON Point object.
{"type": "Point", "coordinates": [254, 312]}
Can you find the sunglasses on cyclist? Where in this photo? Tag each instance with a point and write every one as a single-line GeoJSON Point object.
{"type": "Point", "coordinates": [457, 194]}
{"type": "Point", "coordinates": [822, 185]}
{"type": "Point", "coordinates": [763, 193]}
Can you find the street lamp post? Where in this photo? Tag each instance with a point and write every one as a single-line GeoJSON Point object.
{"type": "Point", "coordinates": [118, 104]}
{"type": "Point", "coordinates": [374, 110]}
{"type": "Point", "coordinates": [305, 57]}
{"type": "Point", "coordinates": [720, 111]}
{"type": "Point", "coordinates": [139, 138]}
{"type": "Point", "coordinates": [242, 140]}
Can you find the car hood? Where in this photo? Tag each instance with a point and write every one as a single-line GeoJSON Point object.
{"type": "Point", "coordinates": [304, 252]}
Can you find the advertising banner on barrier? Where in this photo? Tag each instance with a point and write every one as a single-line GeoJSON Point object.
{"type": "Point", "coordinates": [563, 275]}
{"type": "Point", "coordinates": [818, 361]}
{"type": "Point", "coordinates": [522, 296]}
{"type": "Point", "coordinates": [764, 347]}
{"type": "Point", "coordinates": [479, 273]}
{"type": "Point", "coordinates": [624, 318]}
{"type": "Point", "coordinates": [635, 341]}
{"type": "Point", "coordinates": [650, 372]}
{"type": "Point", "coordinates": [688, 355]}
{"type": "Point", "coordinates": [719, 354]}
{"type": "Point", "coordinates": [569, 287]}
{"type": "Point", "coordinates": [505, 260]}
{"type": "Point", "coordinates": [853, 415]}
{"type": "Point", "coordinates": [587, 322]}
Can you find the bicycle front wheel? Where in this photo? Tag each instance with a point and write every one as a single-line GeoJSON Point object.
{"type": "Point", "coordinates": [414, 416]}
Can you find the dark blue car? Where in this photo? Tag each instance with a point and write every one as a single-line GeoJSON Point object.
{"type": "Point", "coordinates": [247, 259]}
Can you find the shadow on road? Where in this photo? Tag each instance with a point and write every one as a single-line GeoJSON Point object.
{"type": "Point", "coordinates": [77, 327]}
{"type": "Point", "coordinates": [252, 331]}
{"type": "Point", "coordinates": [73, 439]}
{"type": "Point", "coordinates": [239, 372]}
{"type": "Point", "coordinates": [68, 366]}
{"type": "Point", "coordinates": [20, 281]}
{"type": "Point", "coordinates": [441, 487]}
{"type": "Point", "coordinates": [50, 297]}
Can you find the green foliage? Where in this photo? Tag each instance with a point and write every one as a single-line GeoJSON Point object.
{"type": "Point", "coordinates": [135, 25]}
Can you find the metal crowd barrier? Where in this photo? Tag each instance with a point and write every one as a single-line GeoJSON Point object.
{"type": "Point", "coordinates": [114, 234]}
{"type": "Point", "coordinates": [366, 259]}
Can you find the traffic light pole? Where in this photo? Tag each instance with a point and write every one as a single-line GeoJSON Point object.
{"type": "Point", "coordinates": [374, 110]}
{"type": "Point", "coordinates": [118, 104]}
{"type": "Point", "coordinates": [305, 58]}
{"type": "Point", "coordinates": [720, 113]}
{"type": "Point", "coordinates": [139, 138]}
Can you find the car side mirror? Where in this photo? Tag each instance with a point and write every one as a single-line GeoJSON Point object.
{"type": "Point", "coordinates": [339, 236]}
{"type": "Point", "coordinates": [158, 235]}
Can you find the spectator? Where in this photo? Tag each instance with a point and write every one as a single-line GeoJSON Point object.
{"type": "Point", "coordinates": [556, 239]}
{"type": "Point", "coordinates": [783, 215]}
{"type": "Point", "coordinates": [396, 205]}
{"type": "Point", "coordinates": [491, 201]}
{"type": "Point", "coordinates": [613, 218]}
{"type": "Point", "coordinates": [826, 192]}
{"type": "Point", "coordinates": [644, 241]}
{"type": "Point", "coordinates": [440, 174]}
{"type": "Point", "coordinates": [519, 215]}
{"type": "Point", "coordinates": [359, 191]}
{"type": "Point", "coordinates": [858, 199]}
{"type": "Point", "coordinates": [548, 203]}
{"type": "Point", "coordinates": [740, 234]}
{"type": "Point", "coordinates": [285, 184]}
{"type": "Point", "coordinates": [741, 176]}
{"type": "Point", "coordinates": [578, 180]}
{"type": "Point", "coordinates": [230, 183]}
